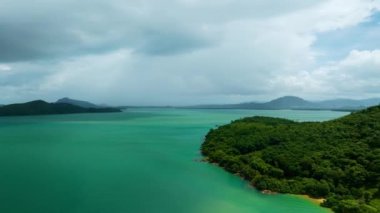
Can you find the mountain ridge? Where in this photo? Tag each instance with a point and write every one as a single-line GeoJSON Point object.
{"type": "Point", "coordinates": [294, 102]}
{"type": "Point", "coordinates": [80, 103]}
{"type": "Point", "coordinates": [40, 107]}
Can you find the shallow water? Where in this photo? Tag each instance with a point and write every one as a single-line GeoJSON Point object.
{"type": "Point", "coordinates": [141, 160]}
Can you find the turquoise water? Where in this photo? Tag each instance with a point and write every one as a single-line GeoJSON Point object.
{"type": "Point", "coordinates": [141, 160]}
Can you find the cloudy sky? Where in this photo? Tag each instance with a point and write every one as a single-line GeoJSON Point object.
{"type": "Point", "coordinates": [179, 52]}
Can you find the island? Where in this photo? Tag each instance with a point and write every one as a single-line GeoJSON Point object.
{"type": "Point", "coordinates": [337, 160]}
{"type": "Point", "coordinates": [40, 107]}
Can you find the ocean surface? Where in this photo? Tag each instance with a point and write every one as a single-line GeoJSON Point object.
{"type": "Point", "coordinates": [141, 160]}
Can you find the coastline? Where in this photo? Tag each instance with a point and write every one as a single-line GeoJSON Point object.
{"type": "Point", "coordinates": [316, 201]}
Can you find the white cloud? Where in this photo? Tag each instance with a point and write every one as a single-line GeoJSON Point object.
{"type": "Point", "coordinates": [185, 51]}
{"type": "Point", "coordinates": [357, 75]}
{"type": "Point", "coordinates": [329, 15]}
{"type": "Point", "coordinates": [5, 68]}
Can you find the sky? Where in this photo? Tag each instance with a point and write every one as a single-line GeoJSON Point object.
{"type": "Point", "coordinates": [184, 52]}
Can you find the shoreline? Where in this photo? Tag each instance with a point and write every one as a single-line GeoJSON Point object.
{"type": "Point", "coordinates": [316, 201]}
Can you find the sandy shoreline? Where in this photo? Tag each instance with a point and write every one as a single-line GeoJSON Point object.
{"type": "Point", "coordinates": [318, 201]}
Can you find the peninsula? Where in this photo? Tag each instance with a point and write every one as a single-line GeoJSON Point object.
{"type": "Point", "coordinates": [338, 160]}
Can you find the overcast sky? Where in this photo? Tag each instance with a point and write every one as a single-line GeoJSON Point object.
{"type": "Point", "coordinates": [179, 52]}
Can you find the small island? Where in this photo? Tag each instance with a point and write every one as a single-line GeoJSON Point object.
{"type": "Point", "coordinates": [337, 160]}
{"type": "Point", "coordinates": [40, 107]}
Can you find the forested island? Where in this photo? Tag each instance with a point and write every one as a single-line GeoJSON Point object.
{"type": "Point", "coordinates": [40, 107]}
{"type": "Point", "coordinates": [338, 160]}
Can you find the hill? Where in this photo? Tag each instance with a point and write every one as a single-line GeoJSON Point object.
{"type": "Point", "coordinates": [293, 102]}
{"type": "Point", "coordinates": [338, 160]}
{"type": "Point", "coordinates": [287, 102]}
{"type": "Point", "coordinates": [348, 103]}
{"type": "Point", "coordinates": [40, 107]}
{"type": "Point", "coordinates": [84, 104]}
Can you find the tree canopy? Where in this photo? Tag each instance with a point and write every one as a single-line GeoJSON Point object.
{"type": "Point", "coordinates": [338, 160]}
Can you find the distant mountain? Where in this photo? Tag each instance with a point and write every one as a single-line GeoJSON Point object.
{"type": "Point", "coordinates": [293, 102]}
{"type": "Point", "coordinates": [288, 101]}
{"type": "Point", "coordinates": [40, 107]}
{"type": "Point", "coordinates": [349, 103]}
{"type": "Point", "coordinates": [84, 104]}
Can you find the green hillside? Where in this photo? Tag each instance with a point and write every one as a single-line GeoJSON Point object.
{"type": "Point", "coordinates": [338, 160]}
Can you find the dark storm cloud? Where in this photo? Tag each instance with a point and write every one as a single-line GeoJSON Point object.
{"type": "Point", "coordinates": [43, 29]}
{"type": "Point", "coordinates": [21, 43]}
{"type": "Point", "coordinates": [51, 31]}
{"type": "Point", "coordinates": [168, 43]}
{"type": "Point", "coordinates": [41, 41]}
{"type": "Point", "coordinates": [33, 41]}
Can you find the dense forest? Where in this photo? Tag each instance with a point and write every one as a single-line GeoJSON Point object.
{"type": "Point", "coordinates": [43, 108]}
{"type": "Point", "coordinates": [338, 160]}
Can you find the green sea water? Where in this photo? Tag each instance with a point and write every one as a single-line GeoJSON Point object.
{"type": "Point", "coordinates": [141, 160]}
